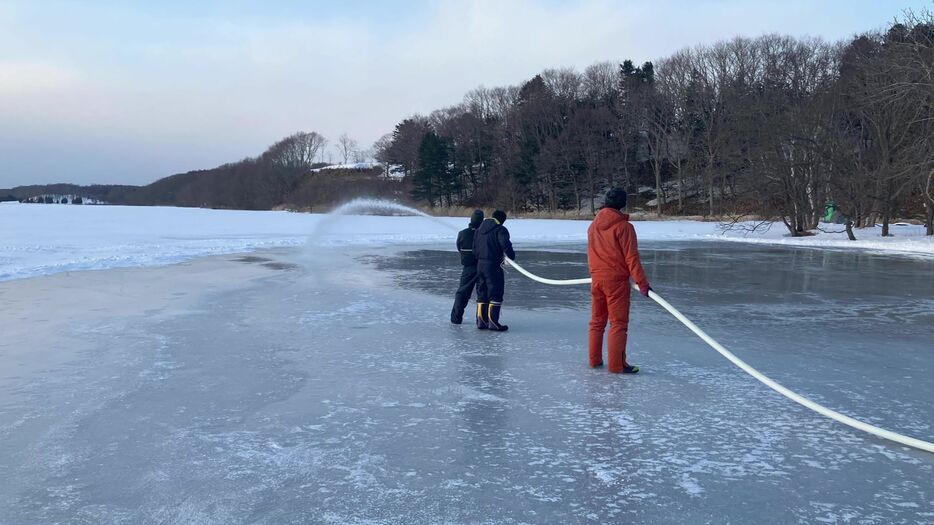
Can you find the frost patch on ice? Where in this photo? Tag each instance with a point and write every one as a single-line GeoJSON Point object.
{"type": "Point", "coordinates": [629, 429]}
{"type": "Point", "coordinates": [356, 310]}
{"type": "Point", "coordinates": [467, 394]}
{"type": "Point", "coordinates": [604, 473]}
{"type": "Point", "coordinates": [361, 473]}
{"type": "Point", "coordinates": [690, 485]}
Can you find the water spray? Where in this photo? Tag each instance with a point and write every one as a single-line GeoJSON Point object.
{"type": "Point", "coordinates": [371, 204]}
{"type": "Point", "coordinates": [365, 204]}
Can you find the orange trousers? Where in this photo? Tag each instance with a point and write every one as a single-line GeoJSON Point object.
{"type": "Point", "coordinates": [610, 301]}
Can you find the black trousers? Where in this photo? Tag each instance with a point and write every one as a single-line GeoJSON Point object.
{"type": "Point", "coordinates": [491, 283]}
{"type": "Point", "coordinates": [464, 291]}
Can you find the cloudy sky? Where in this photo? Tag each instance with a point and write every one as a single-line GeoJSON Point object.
{"type": "Point", "coordinates": [128, 92]}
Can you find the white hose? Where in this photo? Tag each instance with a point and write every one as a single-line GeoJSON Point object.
{"type": "Point", "coordinates": [820, 409]}
{"type": "Point", "coordinates": [555, 282]}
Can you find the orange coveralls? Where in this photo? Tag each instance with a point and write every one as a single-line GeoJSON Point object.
{"type": "Point", "coordinates": [613, 258]}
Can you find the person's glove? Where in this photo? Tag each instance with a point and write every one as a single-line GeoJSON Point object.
{"type": "Point", "coordinates": [644, 289]}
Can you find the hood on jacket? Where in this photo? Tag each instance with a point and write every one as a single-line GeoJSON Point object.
{"type": "Point", "coordinates": [476, 219]}
{"type": "Point", "coordinates": [608, 217]}
{"type": "Point", "coordinates": [488, 225]}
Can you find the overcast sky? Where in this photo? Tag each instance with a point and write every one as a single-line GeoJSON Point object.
{"type": "Point", "coordinates": [129, 92]}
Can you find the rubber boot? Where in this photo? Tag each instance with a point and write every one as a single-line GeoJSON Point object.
{"type": "Point", "coordinates": [457, 314]}
{"type": "Point", "coordinates": [482, 323]}
{"type": "Point", "coordinates": [493, 319]}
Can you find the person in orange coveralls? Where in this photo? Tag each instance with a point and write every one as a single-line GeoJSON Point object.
{"type": "Point", "coordinates": [613, 258]}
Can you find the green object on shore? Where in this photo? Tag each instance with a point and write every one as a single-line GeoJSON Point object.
{"type": "Point", "coordinates": [829, 210]}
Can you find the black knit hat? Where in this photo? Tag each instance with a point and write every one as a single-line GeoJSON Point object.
{"type": "Point", "coordinates": [476, 218]}
{"type": "Point", "coordinates": [500, 216]}
{"type": "Point", "coordinates": [615, 198]}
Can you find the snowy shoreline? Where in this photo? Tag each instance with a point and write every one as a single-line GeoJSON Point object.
{"type": "Point", "coordinates": [44, 240]}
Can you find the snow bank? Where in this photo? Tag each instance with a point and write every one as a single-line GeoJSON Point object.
{"type": "Point", "coordinates": [362, 166]}
{"type": "Point", "coordinates": [904, 239]}
{"type": "Point", "coordinates": [40, 239]}
{"type": "Point", "coordinates": [37, 239]}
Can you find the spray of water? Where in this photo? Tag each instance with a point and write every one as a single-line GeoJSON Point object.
{"type": "Point", "coordinates": [385, 207]}
{"type": "Point", "coordinates": [365, 206]}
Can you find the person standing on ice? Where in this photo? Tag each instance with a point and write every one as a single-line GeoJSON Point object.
{"type": "Point", "coordinates": [490, 245]}
{"type": "Point", "coordinates": [469, 272]}
{"type": "Point", "coordinates": [613, 258]}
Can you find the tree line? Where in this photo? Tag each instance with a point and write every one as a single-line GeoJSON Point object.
{"type": "Point", "coordinates": [283, 176]}
{"type": "Point", "coordinates": [774, 127]}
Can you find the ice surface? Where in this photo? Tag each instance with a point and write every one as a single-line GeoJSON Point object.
{"type": "Point", "coordinates": [331, 389]}
{"type": "Point", "coordinates": [46, 239]}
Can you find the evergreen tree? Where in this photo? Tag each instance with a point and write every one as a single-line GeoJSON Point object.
{"type": "Point", "coordinates": [432, 177]}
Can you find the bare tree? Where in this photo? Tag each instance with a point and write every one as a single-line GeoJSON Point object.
{"type": "Point", "coordinates": [781, 168]}
{"type": "Point", "coordinates": [912, 69]}
{"type": "Point", "coordinates": [381, 148]}
{"type": "Point", "coordinates": [481, 103]}
{"type": "Point", "coordinates": [381, 152]}
{"type": "Point", "coordinates": [600, 81]}
{"type": "Point", "coordinates": [565, 83]}
{"type": "Point", "coordinates": [347, 148]}
{"type": "Point", "coordinates": [893, 108]}
{"type": "Point", "coordinates": [673, 81]}
{"type": "Point", "coordinates": [298, 150]}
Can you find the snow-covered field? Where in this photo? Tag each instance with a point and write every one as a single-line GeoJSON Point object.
{"type": "Point", "coordinates": [45, 239]}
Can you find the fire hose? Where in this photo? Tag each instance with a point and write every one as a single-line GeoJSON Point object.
{"type": "Point", "coordinates": [745, 367]}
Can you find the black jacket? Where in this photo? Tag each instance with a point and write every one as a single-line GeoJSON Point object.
{"type": "Point", "coordinates": [465, 246]}
{"type": "Point", "coordinates": [491, 242]}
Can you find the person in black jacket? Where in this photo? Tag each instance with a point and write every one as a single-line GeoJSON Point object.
{"type": "Point", "coordinates": [490, 245]}
{"type": "Point", "coordinates": [469, 272]}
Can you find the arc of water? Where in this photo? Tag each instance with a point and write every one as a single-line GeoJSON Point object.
{"type": "Point", "coordinates": [380, 204]}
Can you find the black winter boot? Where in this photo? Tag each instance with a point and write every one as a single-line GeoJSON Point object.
{"type": "Point", "coordinates": [482, 311]}
{"type": "Point", "coordinates": [457, 314]}
{"type": "Point", "coordinates": [493, 319]}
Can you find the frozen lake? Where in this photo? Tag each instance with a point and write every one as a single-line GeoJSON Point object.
{"type": "Point", "coordinates": [324, 385]}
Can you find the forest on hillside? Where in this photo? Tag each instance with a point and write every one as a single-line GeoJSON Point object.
{"type": "Point", "coordinates": [774, 127]}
